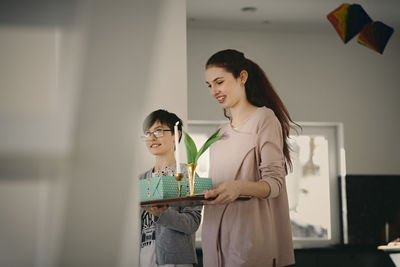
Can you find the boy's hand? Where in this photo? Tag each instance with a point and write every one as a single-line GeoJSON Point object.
{"type": "Point", "coordinates": [156, 210]}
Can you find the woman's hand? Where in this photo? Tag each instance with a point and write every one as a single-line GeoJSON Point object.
{"type": "Point", "coordinates": [156, 210]}
{"type": "Point", "coordinates": [225, 193]}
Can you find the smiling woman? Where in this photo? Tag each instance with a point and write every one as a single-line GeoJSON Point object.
{"type": "Point", "coordinates": [251, 160]}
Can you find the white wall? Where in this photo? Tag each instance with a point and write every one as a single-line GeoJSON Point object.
{"type": "Point", "coordinates": [69, 146]}
{"type": "Point", "coordinates": [39, 69]}
{"type": "Point", "coordinates": [319, 79]}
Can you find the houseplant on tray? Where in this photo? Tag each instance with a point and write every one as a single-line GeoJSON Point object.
{"type": "Point", "coordinates": [193, 154]}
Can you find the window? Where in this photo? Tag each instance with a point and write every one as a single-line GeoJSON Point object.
{"type": "Point", "coordinates": [313, 185]}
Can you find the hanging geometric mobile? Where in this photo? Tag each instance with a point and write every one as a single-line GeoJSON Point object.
{"type": "Point", "coordinates": [375, 35]}
{"type": "Point", "coordinates": [348, 20]}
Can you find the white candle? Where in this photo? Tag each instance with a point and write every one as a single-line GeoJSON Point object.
{"type": "Point", "coordinates": [176, 132]}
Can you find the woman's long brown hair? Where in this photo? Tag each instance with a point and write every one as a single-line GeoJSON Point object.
{"type": "Point", "coordinates": [259, 90]}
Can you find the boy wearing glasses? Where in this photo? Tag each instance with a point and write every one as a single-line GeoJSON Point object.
{"type": "Point", "coordinates": [168, 233]}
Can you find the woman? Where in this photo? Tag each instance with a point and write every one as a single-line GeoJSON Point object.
{"type": "Point", "coordinates": [250, 160]}
{"type": "Point", "coordinates": [168, 233]}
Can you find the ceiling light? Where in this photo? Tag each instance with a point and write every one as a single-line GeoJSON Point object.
{"type": "Point", "coordinates": [249, 9]}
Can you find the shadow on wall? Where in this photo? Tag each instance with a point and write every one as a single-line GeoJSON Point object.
{"type": "Point", "coordinates": [67, 176]}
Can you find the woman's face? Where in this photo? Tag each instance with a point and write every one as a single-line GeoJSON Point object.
{"type": "Point", "coordinates": [163, 145]}
{"type": "Point", "coordinates": [225, 88]}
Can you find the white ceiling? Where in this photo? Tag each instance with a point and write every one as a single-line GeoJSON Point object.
{"type": "Point", "coordinates": [292, 15]}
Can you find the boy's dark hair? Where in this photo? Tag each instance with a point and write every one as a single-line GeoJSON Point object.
{"type": "Point", "coordinates": [164, 117]}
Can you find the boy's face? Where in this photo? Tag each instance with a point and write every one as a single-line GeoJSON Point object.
{"type": "Point", "coordinates": [161, 145]}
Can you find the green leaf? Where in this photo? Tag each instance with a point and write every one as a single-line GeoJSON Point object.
{"type": "Point", "coordinates": [191, 149]}
{"type": "Point", "coordinates": [215, 134]}
{"type": "Point", "coordinates": [213, 138]}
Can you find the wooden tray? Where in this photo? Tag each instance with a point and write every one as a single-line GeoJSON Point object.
{"type": "Point", "coordinates": [196, 200]}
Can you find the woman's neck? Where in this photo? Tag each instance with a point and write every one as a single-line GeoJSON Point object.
{"type": "Point", "coordinates": [241, 113]}
{"type": "Point", "coordinates": [164, 161]}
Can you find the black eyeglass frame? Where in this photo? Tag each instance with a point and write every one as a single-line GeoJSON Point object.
{"type": "Point", "coordinates": [157, 133]}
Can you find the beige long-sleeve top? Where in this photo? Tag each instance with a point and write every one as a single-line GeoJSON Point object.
{"type": "Point", "coordinates": [255, 232]}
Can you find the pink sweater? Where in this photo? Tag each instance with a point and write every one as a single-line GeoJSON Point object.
{"type": "Point", "coordinates": [255, 232]}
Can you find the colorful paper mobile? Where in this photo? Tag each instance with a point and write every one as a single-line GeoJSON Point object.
{"type": "Point", "coordinates": [375, 35]}
{"type": "Point", "coordinates": [348, 20]}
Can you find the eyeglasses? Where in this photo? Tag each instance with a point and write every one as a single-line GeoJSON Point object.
{"type": "Point", "coordinates": [157, 133]}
